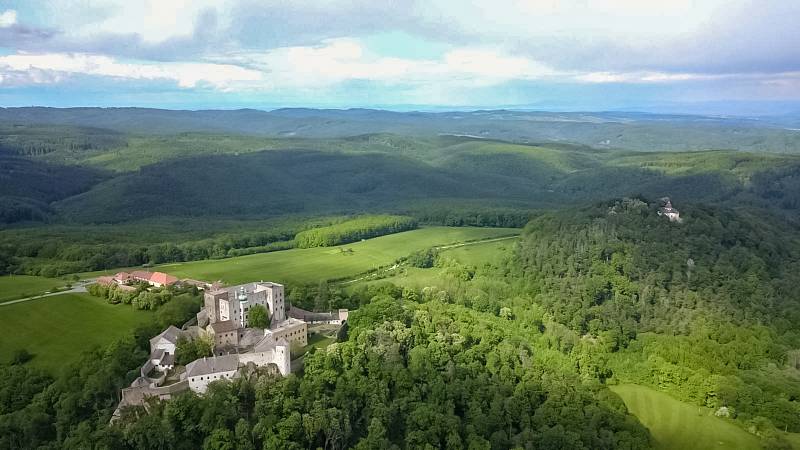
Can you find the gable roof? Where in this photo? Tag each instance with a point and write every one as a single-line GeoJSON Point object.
{"type": "Point", "coordinates": [141, 274]}
{"type": "Point", "coordinates": [171, 334]}
{"type": "Point", "coordinates": [105, 281]}
{"type": "Point", "coordinates": [162, 278]}
{"type": "Point", "coordinates": [225, 326]}
{"type": "Point", "coordinates": [214, 364]}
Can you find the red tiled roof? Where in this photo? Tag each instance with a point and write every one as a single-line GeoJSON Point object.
{"type": "Point", "coordinates": [163, 278]}
{"type": "Point", "coordinates": [105, 281]}
{"type": "Point", "coordinates": [141, 275]}
{"type": "Point", "coordinates": [122, 276]}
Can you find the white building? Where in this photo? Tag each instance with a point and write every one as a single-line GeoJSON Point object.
{"type": "Point", "coordinates": [203, 371]}
{"type": "Point", "coordinates": [233, 303]}
{"type": "Point", "coordinates": [167, 340]}
{"type": "Point", "coordinates": [268, 351]}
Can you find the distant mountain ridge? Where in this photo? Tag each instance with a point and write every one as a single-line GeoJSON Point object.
{"type": "Point", "coordinates": [620, 130]}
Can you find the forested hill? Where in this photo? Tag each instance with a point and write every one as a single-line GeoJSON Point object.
{"type": "Point", "coordinates": [624, 130]}
{"type": "Point", "coordinates": [706, 309]}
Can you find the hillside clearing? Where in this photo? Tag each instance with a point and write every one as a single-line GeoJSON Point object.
{"type": "Point", "coordinates": [491, 251]}
{"type": "Point", "coordinates": [677, 425]}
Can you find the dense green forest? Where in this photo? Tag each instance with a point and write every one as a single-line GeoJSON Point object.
{"type": "Point", "coordinates": [353, 230]}
{"type": "Point", "coordinates": [625, 130]}
{"type": "Point", "coordinates": [706, 309]}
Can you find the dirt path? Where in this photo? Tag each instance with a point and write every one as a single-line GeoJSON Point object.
{"type": "Point", "coordinates": [485, 241]}
{"type": "Point", "coordinates": [79, 286]}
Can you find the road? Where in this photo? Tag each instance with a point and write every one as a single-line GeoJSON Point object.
{"type": "Point", "coordinates": [78, 286]}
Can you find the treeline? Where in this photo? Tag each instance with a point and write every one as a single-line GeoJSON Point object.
{"type": "Point", "coordinates": [354, 230]}
{"type": "Point", "coordinates": [460, 216]}
{"type": "Point", "coordinates": [52, 257]}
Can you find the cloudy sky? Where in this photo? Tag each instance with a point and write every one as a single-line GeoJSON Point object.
{"type": "Point", "coordinates": [571, 54]}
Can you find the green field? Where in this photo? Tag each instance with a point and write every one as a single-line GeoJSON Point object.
{"type": "Point", "coordinates": [481, 253]}
{"type": "Point", "coordinates": [58, 329]}
{"type": "Point", "coordinates": [676, 425]}
{"type": "Point", "coordinates": [17, 286]}
{"type": "Point", "coordinates": [473, 254]}
{"type": "Point", "coordinates": [314, 264]}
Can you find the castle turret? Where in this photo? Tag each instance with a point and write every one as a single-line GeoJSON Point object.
{"type": "Point", "coordinates": [283, 357]}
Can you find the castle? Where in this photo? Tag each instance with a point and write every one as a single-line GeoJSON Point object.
{"type": "Point", "coordinates": [223, 320]}
{"type": "Point", "coordinates": [668, 211]}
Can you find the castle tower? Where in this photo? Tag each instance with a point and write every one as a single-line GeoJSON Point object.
{"type": "Point", "coordinates": [283, 357]}
{"type": "Point", "coordinates": [275, 300]}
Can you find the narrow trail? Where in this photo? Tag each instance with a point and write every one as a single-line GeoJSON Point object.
{"type": "Point", "coordinates": [485, 241]}
{"type": "Point", "coordinates": [76, 288]}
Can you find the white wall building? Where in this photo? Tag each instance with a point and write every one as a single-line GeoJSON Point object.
{"type": "Point", "coordinates": [203, 371]}
{"type": "Point", "coordinates": [167, 340]}
{"type": "Point", "coordinates": [233, 303]}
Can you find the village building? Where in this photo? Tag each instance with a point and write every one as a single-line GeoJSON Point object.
{"type": "Point", "coordinates": [124, 280]}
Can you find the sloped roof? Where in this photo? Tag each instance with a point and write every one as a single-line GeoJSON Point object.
{"type": "Point", "coordinates": [162, 278]}
{"type": "Point", "coordinates": [141, 274]}
{"type": "Point", "coordinates": [171, 334]}
{"type": "Point", "coordinates": [224, 327]}
{"type": "Point", "coordinates": [168, 360]}
{"type": "Point", "coordinates": [213, 364]}
{"type": "Point", "coordinates": [105, 281]}
{"type": "Point", "coordinates": [157, 354]}
{"type": "Point", "coordinates": [267, 343]}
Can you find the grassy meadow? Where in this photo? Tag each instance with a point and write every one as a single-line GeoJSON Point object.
{"type": "Point", "coordinates": [57, 329]}
{"type": "Point", "coordinates": [328, 263]}
{"type": "Point", "coordinates": [17, 286]}
{"type": "Point", "coordinates": [676, 425]}
{"type": "Point", "coordinates": [472, 254]}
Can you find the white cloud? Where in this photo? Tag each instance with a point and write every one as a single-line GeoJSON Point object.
{"type": "Point", "coordinates": [53, 67]}
{"type": "Point", "coordinates": [644, 77]}
{"type": "Point", "coordinates": [340, 60]}
{"type": "Point", "coordinates": [334, 62]}
{"type": "Point", "coordinates": [8, 18]}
